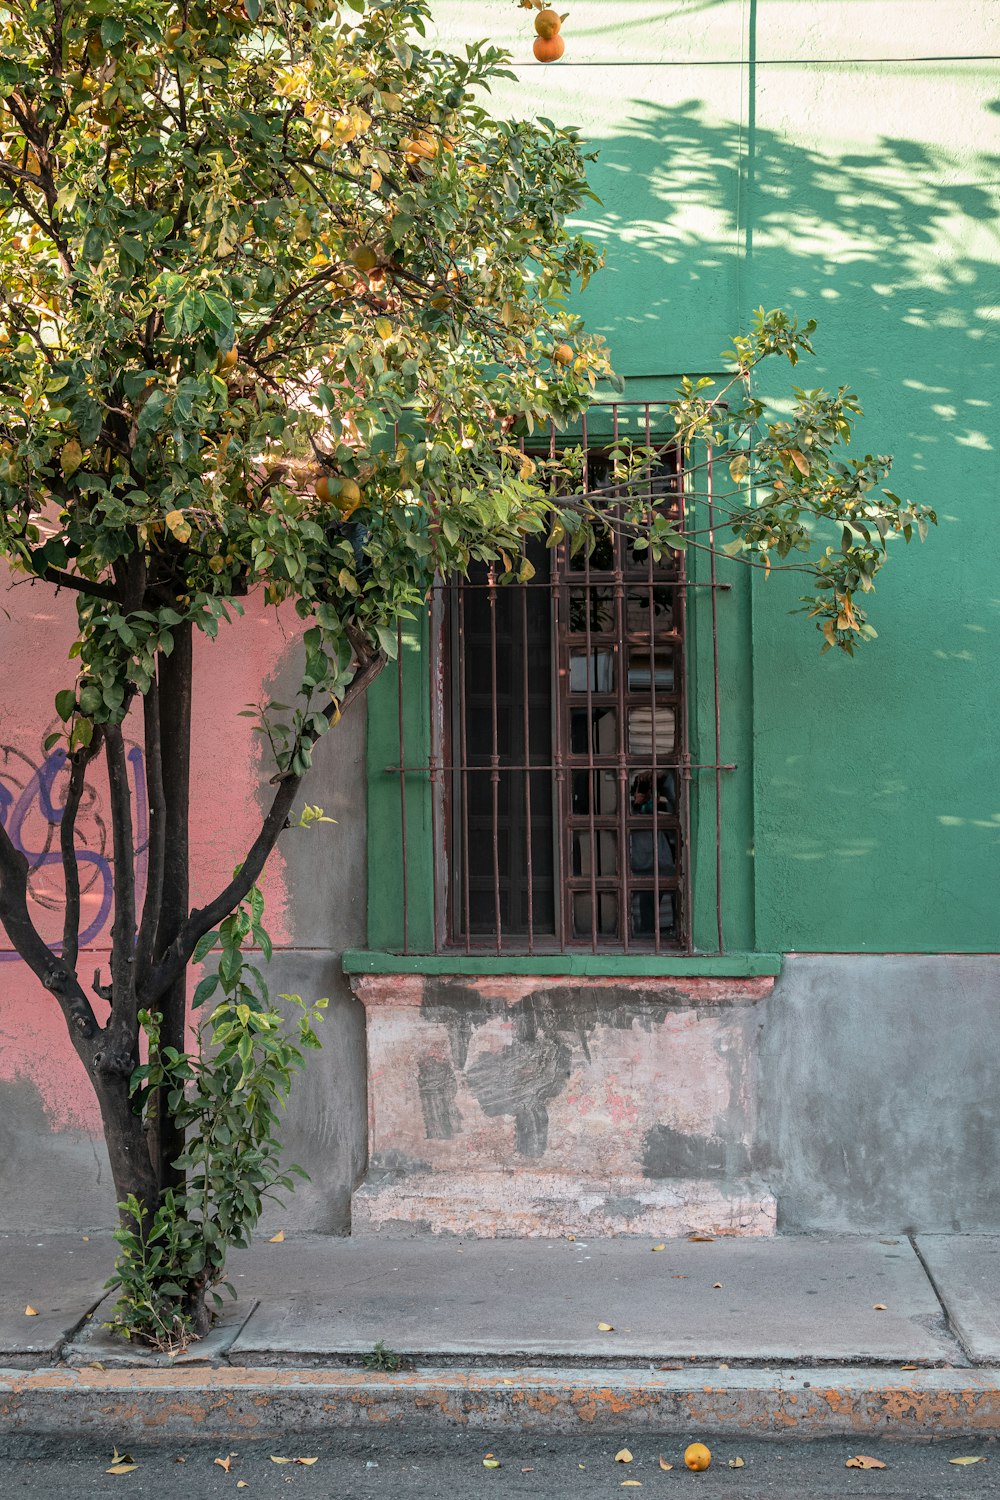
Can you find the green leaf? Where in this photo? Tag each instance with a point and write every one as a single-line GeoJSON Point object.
{"type": "Point", "coordinates": [66, 703]}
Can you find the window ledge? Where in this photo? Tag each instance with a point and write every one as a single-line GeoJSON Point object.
{"type": "Point", "coordinates": [615, 965]}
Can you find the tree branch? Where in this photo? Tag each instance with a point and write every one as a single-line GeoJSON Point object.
{"type": "Point", "coordinates": [203, 919]}
{"type": "Point", "coordinates": [121, 1027]}
{"type": "Point", "coordinates": [157, 832]}
{"type": "Point", "coordinates": [28, 942]}
{"type": "Point", "coordinates": [67, 846]}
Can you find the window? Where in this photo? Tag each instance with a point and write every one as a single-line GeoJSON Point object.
{"type": "Point", "coordinates": [563, 754]}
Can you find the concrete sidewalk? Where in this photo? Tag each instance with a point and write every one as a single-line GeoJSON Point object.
{"type": "Point", "coordinates": [819, 1334]}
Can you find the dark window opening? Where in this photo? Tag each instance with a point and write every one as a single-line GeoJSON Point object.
{"type": "Point", "coordinates": [565, 819]}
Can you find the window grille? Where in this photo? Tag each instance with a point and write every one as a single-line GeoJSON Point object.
{"type": "Point", "coordinates": [559, 765]}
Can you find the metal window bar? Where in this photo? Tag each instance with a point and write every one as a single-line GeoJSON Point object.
{"type": "Point", "coordinates": [617, 879]}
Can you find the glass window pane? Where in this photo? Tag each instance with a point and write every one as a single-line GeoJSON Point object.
{"type": "Point", "coordinates": [641, 852]}
{"type": "Point", "coordinates": [607, 914]}
{"type": "Point", "coordinates": [597, 787]}
{"type": "Point", "coordinates": [593, 731]}
{"type": "Point", "coordinates": [602, 671]}
{"type": "Point", "coordinates": [641, 793]}
{"type": "Point", "coordinates": [642, 914]}
{"type": "Point", "coordinates": [645, 726]}
{"type": "Point", "coordinates": [644, 665]}
{"type": "Point", "coordinates": [602, 559]}
{"type": "Point", "coordinates": [599, 851]}
{"type": "Point", "coordinates": [643, 605]}
{"type": "Point", "coordinates": [599, 604]}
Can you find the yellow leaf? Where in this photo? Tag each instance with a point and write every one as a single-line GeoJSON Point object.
{"type": "Point", "coordinates": [907, 1367]}
{"type": "Point", "coordinates": [799, 460]}
{"type": "Point", "coordinates": [716, 1286]}
{"type": "Point", "coordinates": [276, 1460]}
{"type": "Point", "coordinates": [177, 525]}
{"type": "Point", "coordinates": [276, 1239]}
{"type": "Point", "coordinates": [30, 1312]}
{"type": "Point", "coordinates": [664, 1465]}
{"type": "Point", "coordinates": [605, 1328]}
{"type": "Point", "coordinates": [224, 1463]}
{"type": "Point", "coordinates": [241, 1484]}
{"type": "Point", "coordinates": [491, 1463]}
{"type": "Point", "coordinates": [862, 1461]}
{"type": "Point", "coordinates": [635, 1484]}
{"type": "Point", "coordinates": [623, 1456]}
{"type": "Point", "coordinates": [71, 457]}
{"type": "Point", "coordinates": [966, 1460]}
{"type": "Point", "coordinates": [738, 467]}
{"type": "Point", "coordinates": [306, 1462]}
{"type": "Point", "coordinates": [702, 1239]}
{"type": "Point", "coordinates": [383, 327]}
{"type": "Point", "coordinates": [121, 1468]}
{"type": "Point", "coordinates": [879, 1307]}
{"type": "Point", "coordinates": [737, 1463]}
{"type": "Point", "coordinates": [659, 1247]}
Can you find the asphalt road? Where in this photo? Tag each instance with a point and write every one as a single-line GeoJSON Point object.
{"type": "Point", "coordinates": [385, 1466]}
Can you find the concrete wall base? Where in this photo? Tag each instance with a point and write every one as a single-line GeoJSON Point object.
{"type": "Point", "coordinates": [516, 1105]}
{"type": "Point", "coordinates": [533, 1205]}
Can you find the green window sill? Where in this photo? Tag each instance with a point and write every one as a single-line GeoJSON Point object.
{"type": "Point", "coordinates": [620, 965]}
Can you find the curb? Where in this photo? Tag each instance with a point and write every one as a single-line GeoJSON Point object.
{"type": "Point", "coordinates": [191, 1404]}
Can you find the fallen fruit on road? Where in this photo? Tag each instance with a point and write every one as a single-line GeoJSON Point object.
{"type": "Point", "coordinates": [697, 1457]}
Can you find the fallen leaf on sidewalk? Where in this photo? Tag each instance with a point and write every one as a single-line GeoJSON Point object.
{"type": "Point", "coordinates": [528, 1470]}
{"type": "Point", "coordinates": [491, 1462]}
{"type": "Point", "coordinates": [879, 1307]}
{"type": "Point", "coordinates": [716, 1286]}
{"type": "Point", "coordinates": [862, 1461]}
{"type": "Point", "coordinates": [631, 1484]}
{"type": "Point", "coordinates": [907, 1367]}
{"type": "Point", "coordinates": [702, 1239]}
{"type": "Point", "coordinates": [241, 1484]}
{"type": "Point", "coordinates": [224, 1463]}
{"type": "Point", "coordinates": [276, 1239]}
{"type": "Point", "coordinates": [737, 1463]}
{"type": "Point", "coordinates": [121, 1463]}
{"type": "Point", "coordinates": [966, 1460]}
{"type": "Point", "coordinates": [30, 1312]}
{"type": "Point", "coordinates": [664, 1465]}
{"type": "Point", "coordinates": [605, 1328]}
{"type": "Point", "coordinates": [275, 1459]}
{"type": "Point", "coordinates": [659, 1247]}
{"type": "Point", "coordinates": [623, 1456]}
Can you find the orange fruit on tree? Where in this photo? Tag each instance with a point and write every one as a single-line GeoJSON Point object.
{"type": "Point", "coordinates": [228, 360]}
{"type": "Point", "coordinates": [562, 354]}
{"type": "Point", "coordinates": [547, 23]}
{"type": "Point", "coordinates": [697, 1457]}
{"type": "Point", "coordinates": [364, 258]}
{"type": "Point", "coordinates": [549, 49]}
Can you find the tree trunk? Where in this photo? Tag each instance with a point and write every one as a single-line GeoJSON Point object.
{"type": "Point", "coordinates": [125, 1137]}
{"type": "Point", "coordinates": [166, 1140]}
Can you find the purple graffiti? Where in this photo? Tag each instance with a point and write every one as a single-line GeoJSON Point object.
{"type": "Point", "coordinates": [31, 811]}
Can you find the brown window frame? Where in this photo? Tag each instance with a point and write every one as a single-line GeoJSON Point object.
{"type": "Point", "coordinates": [608, 894]}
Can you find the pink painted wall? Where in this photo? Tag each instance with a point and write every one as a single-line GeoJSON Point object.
{"type": "Point", "coordinates": [36, 628]}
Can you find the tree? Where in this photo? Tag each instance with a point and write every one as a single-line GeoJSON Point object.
{"type": "Point", "coordinates": [278, 299]}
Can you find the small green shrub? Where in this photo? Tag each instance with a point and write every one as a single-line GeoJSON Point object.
{"type": "Point", "coordinates": [170, 1272]}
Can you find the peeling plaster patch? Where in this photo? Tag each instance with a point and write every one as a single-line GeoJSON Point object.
{"type": "Point", "coordinates": [389, 1166]}
{"type": "Point", "coordinates": [675, 1153]}
{"type": "Point", "coordinates": [438, 1088]}
{"type": "Point", "coordinates": [519, 1080]}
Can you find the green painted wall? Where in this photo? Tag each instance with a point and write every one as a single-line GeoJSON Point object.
{"type": "Point", "coordinates": [837, 157]}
